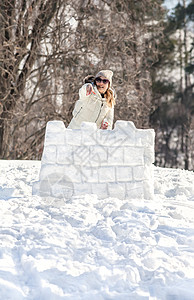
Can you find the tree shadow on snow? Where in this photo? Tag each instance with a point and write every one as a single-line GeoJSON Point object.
{"type": "Point", "coordinates": [6, 193]}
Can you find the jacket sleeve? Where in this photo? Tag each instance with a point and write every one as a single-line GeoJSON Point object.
{"type": "Point", "coordinates": [82, 98]}
{"type": "Point", "coordinates": [110, 117]}
{"type": "Point", "coordinates": [77, 108]}
{"type": "Point", "coordinates": [82, 92]}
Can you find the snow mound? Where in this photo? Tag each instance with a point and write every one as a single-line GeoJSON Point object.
{"type": "Point", "coordinates": [85, 248]}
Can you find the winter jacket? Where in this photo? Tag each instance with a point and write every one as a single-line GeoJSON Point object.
{"type": "Point", "coordinates": [91, 108]}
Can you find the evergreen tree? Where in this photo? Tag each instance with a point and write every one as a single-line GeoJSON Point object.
{"type": "Point", "coordinates": [172, 90]}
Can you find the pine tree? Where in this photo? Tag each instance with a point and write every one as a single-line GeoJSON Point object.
{"type": "Point", "coordinates": [172, 89]}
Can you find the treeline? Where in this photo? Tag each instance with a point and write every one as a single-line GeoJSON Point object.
{"type": "Point", "coordinates": [173, 90]}
{"type": "Point", "coordinates": [47, 47]}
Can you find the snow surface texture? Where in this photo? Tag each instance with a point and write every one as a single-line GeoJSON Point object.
{"type": "Point", "coordinates": [85, 248]}
{"type": "Point", "coordinates": [115, 163]}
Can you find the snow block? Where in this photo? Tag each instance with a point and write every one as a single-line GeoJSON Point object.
{"type": "Point", "coordinates": [109, 163]}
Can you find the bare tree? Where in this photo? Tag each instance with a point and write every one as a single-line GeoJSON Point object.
{"type": "Point", "coordinates": [121, 35]}
{"type": "Point", "coordinates": [48, 47]}
{"type": "Point", "coordinates": [23, 26]}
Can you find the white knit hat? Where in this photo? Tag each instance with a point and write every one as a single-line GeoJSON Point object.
{"type": "Point", "coordinates": [108, 74]}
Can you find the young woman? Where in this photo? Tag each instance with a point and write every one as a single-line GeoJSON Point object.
{"type": "Point", "coordinates": [96, 102]}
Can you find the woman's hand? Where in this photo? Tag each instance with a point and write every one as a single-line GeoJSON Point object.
{"type": "Point", "coordinates": [89, 89]}
{"type": "Point", "coordinates": [104, 124]}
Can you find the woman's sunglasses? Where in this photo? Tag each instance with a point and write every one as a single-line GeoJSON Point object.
{"type": "Point", "coordinates": [105, 81]}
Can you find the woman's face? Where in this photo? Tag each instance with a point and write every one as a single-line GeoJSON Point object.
{"type": "Point", "coordinates": [102, 84]}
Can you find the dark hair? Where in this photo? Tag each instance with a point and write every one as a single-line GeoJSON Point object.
{"type": "Point", "coordinates": [89, 79]}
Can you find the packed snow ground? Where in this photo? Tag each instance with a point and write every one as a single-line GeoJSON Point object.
{"type": "Point", "coordinates": [86, 248]}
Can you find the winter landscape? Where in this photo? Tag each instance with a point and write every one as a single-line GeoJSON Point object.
{"type": "Point", "coordinates": [90, 248]}
{"type": "Point", "coordinates": [133, 239]}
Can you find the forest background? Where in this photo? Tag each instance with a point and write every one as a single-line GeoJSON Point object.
{"type": "Point", "coordinates": [47, 48]}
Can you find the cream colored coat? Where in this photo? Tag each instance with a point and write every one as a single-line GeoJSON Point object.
{"type": "Point", "coordinates": [91, 108]}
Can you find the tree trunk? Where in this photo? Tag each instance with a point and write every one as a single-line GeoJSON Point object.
{"type": "Point", "coordinates": [18, 51]}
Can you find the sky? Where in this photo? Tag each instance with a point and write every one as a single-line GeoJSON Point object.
{"type": "Point", "coordinates": [172, 3]}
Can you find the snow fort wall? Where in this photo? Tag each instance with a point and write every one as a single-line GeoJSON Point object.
{"type": "Point", "coordinates": [109, 163]}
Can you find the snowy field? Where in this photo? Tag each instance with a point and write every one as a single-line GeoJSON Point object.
{"type": "Point", "coordinates": [91, 249]}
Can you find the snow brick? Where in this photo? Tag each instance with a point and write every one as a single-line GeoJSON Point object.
{"type": "Point", "coordinates": [109, 163]}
